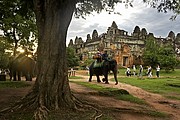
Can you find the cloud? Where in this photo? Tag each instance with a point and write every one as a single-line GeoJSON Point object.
{"type": "Point", "coordinates": [140, 15]}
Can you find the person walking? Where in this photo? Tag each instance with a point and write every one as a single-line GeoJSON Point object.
{"type": "Point", "coordinates": [134, 70]}
{"type": "Point", "coordinates": [140, 71]}
{"type": "Point", "coordinates": [157, 70]}
{"type": "Point", "coordinates": [128, 71]}
{"type": "Point", "coordinates": [149, 72]}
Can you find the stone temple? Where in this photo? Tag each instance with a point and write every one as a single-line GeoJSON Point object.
{"type": "Point", "coordinates": [126, 49]}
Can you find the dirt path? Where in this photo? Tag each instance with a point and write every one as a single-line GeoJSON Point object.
{"type": "Point", "coordinates": [156, 101]}
{"type": "Point", "coordinates": [124, 110]}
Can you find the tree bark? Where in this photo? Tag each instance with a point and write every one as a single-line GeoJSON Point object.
{"type": "Point", "coordinates": [52, 85]}
{"type": "Point", "coordinates": [51, 90]}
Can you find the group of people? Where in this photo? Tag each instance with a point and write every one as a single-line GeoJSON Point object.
{"type": "Point", "coordinates": [4, 71]}
{"type": "Point", "coordinates": [149, 71]}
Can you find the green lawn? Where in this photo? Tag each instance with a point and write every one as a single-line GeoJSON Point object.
{"type": "Point", "coordinates": [120, 94]}
{"type": "Point", "coordinates": [75, 77]}
{"type": "Point", "coordinates": [168, 84]}
{"type": "Point", "coordinates": [175, 73]}
{"type": "Point", "coordinates": [13, 84]}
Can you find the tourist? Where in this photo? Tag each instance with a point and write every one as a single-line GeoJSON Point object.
{"type": "Point", "coordinates": [128, 71]}
{"type": "Point", "coordinates": [134, 70]}
{"type": "Point", "coordinates": [98, 57]}
{"type": "Point", "coordinates": [105, 55]}
{"type": "Point", "coordinates": [157, 71]}
{"type": "Point", "coordinates": [149, 73]}
{"type": "Point", "coordinates": [140, 71]}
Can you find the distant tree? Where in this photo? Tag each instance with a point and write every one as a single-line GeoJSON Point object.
{"type": "Point", "coordinates": [86, 63]}
{"type": "Point", "coordinates": [72, 59]}
{"type": "Point", "coordinates": [167, 57]}
{"type": "Point", "coordinates": [150, 55]}
{"type": "Point", "coordinates": [18, 24]}
{"type": "Point", "coordinates": [163, 55]}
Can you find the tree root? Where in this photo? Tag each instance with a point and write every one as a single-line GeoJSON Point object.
{"type": "Point", "coordinates": [41, 113]}
{"type": "Point", "coordinates": [30, 102]}
{"type": "Point", "coordinates": [27, 102]}
{"type": "Point", "coordinates": [86, 105]}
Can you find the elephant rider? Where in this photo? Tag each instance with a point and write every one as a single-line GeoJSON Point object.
{"type": "Point", "coordinates": [105, 55]}
{"type": "Point", "coordinates": [98, 57]}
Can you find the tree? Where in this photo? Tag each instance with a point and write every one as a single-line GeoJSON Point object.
{"type": "Point", "coordinates": [163, 55]}
{"type": "Point", "coordinates": [18, 23]}
{"type": "Point", "coordinates": [167, 57]}
{"type": "Point", "coordinates": [5, 52]}
{"type": "Point", "coordinates": [72, 59]}
{"type": "Point", "coordinates": [51, 90]}
{"type": "Point", "coordinates": [165, 5]}
{"type": "Point", "coordinates": [150, 55]}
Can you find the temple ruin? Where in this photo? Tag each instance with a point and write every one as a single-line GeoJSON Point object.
{"type": "Point", "coordinates": [126, 49]}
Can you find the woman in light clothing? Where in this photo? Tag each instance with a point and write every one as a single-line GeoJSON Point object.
{"type": "Point", "coordinates": [140, 71]}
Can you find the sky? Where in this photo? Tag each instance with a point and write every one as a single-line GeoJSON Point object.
{"type": "Point", "coordinates": [140, 15]}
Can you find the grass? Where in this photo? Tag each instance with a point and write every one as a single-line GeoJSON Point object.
{"type": "Point", "coordinates": [120, 94]}
{"type": "Point", "coordinates": [175, 73]}
{"type": "Point", "coordinates": [75, 77]}
{"type": "Point", "coordinates": [163, 73]}
{"type": "Point", "coordinates": [168, 87]}
{"type": "Point", "coordinates": [13, 84]}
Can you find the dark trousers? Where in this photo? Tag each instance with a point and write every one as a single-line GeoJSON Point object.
{"type": "Point", "coordinates": [157, 73]}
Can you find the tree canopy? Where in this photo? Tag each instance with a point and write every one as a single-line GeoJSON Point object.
{"type": "Point", "coordinates": [17, 22]}
{"type": "Point", "coordinates": [157, 54]}
{"type": "Point", "coordinates": [165, 6]}
{"type": "Point", "coordinates": [4, 53]}
{"type": "Point", "coordinates": [150, 55]}
{"type": "Point", "coordinates": [167, 57]}
{"type": "Point", "coordinates": [72, 59]}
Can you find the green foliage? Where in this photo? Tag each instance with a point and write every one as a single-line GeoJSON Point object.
{"type": "Point", "coordinates": [5, 52]}
{"type": "Point", "coordinates": [150, 55]}
{"type": "Point", "coordinates": [165, 5]}
{"type": "Point", "coordinates": [86, 7]}
{"type": "Point", "coordinates": [86, 63]}
{"type": "Point", "coordinates": [17, 22]}
{"type": "Point", "coordinates": [72, 59]}
{"type": "Point", "coordinates": [164, 55]}
{"type": "Point", "coordinates": [167, 58]}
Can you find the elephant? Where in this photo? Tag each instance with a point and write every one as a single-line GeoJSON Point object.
{"type": "Point", "coordinates": [105, 67]}
{"type": "Point", "coordinates": [21, 65]}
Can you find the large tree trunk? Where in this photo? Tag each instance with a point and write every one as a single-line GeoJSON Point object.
{"type": "Point", "coordinates": [51, 90]}
{"type": "Point", "coordinates": [52, 86]}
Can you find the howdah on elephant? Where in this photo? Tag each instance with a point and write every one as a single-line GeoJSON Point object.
{"type": "Point", "coordinates": [103, 69]}
{"type": "Point", "coordinates": [21, 66]}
